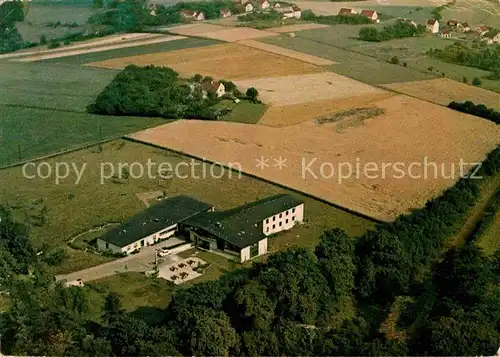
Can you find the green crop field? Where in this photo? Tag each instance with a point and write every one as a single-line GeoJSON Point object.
{"type": "Point", "coordinates": [60, 87]}
{"type": "Point", "coordinates": [26, 133]}
{"type": "Point", "coordinates": [418, 14]}
{"type": "Point", "coordinates": [68, 209]}
{"type": "Point", "coordinates": [490, 240]}
{"type": "Point", "coordinates": [351, 64]}
{"type": "Point", "coordinates": [134, 51]}
{"type": "Point", "coordinates": [41, 13]}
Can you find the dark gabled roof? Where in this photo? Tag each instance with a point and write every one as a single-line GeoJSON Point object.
{"type": "Point", "coordinates": [162, 215]}
{"type": "Point", "coordinates": [242, 226]}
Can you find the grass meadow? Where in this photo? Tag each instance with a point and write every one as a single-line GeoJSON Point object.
{"type": "Point", "coordinates": [244, 112]}
{"type": "Point", "coordinates": [69, 209]}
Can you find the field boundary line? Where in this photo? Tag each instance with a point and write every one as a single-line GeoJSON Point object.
{"type": "Point", "coordinates": [345, 209]}
{"type": "Point", "coordinates": [48, 156]}
{"type": "Point", "coordinates": [43, 108]}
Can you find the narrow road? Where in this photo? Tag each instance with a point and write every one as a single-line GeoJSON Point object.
{"type": "Point", "coordinates": [140, 262]}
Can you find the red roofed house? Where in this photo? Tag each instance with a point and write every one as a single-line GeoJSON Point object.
{"type": "Point", "coordinates": [452, 23]}
{"type": "Point", "coordinates": [248, 6]}
{"type": "Point", "coordinates": [214, 87]}
{"type": "Point", "coordinates": [189, 14]}
{"type": "Point", "coordinates": [465, 27]}
{"type": "Point", "coordinates": [346, 12]}
{"type": "Point", "coordinates": [264, 4]}
{"type": "Point", "coordinates": [372, 15]}
{"type": "Point", "coordinates": [433, 26]}
{"type": "Point", "coordinates": [445, 34]}
{"type": "Point", "coordinates": [225, 12]}
{"type": "Point", "coordinates": [482, 30]}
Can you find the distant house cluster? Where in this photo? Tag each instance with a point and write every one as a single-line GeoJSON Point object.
{"type": "Point", "coordinates": [192, 15]}
{"type": "Point", "coordinates": [241, 232]}
{"type": "Point", "coordinates": [482, 31]}
{"type": "Point", "coordinates": [371, 14]}
{"type": "Point", "coordinates": [287, 12]}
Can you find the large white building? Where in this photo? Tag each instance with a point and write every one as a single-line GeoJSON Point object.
{"type": "Point", "coordinates": [243, 231]}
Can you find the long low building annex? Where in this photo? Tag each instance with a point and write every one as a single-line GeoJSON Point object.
{"type": "Point", "coordinates": [152, 225]}
{"type": "Point", "coordinates": [241, 232]}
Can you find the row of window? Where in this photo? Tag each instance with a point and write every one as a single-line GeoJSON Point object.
{"type": "Point", "coordinates": [280, 223]}
{"type": "Point", "coordinates": [287, 212]}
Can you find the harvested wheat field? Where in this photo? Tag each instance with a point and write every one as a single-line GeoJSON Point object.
{"type": "Point", "coordinates": [280, 116]}
{"type": "Point", "coordinates": [296, 89]}
{"type": "Point", "coordinates": [294, 28]}
{"type": "Point", "coordinates": [444, 90]}
{"type": "Point", "coordinates": [228, 61]}
{"type": "Point", "coordinates": [288, 53]}
{"type": "Point", "coordinates": [80, 51]}
{"type": "Point", "coordinates": [237, 34]}
{"type": "Point", "coordinates": [405, 131]}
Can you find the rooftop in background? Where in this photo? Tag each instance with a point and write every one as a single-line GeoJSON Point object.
{"type": "Point", "coordinates": [242, 226]}
{"type": "Point", "coordinates": [162, 215]}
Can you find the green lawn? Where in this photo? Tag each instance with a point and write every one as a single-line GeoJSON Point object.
{"type": "Point", "coordinates": [134, 51]}
{"type": "Point", "coordinates": [350, 64]}
{"type": "Point", "coordinates": [483, 12]}
{"type": "Point", "coordinates": [139, 294]}
{"type": "Point", "coordinates": [26, 133]}
{"type": "Point", "coordinates": [72, 208]}
{"type": "Point", "coordinates": [61, 87]}
{"type": "Point", "coordinates": [243, 112]}
{"type": "Point", "coordinates": [490, 239]}
{"type": "Point", "coordinates": [266, 24]}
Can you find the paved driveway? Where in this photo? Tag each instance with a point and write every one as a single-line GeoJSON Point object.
{"type": "Point", "coordinates": [140, 262]}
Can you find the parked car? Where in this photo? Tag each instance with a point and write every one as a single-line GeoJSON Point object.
{"type": "Point", "coordinates": [163, 252]}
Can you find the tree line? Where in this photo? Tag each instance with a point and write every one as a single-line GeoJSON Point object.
{"type": "Point", "coordinates": [330, 300]}
{"type": "Point", "coordinates": [390, 32]}
{"type": "Point", "coordinates": [479, 110]}
{"type": "Point", "coordinates": [355, 19]}
{"type": "Point", "coordinates": [11, 12]}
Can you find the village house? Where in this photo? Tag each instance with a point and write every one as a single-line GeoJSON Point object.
{"type": "Point", "coordinates": [297, 12]}
{"type": "Point", "coordinates": [452, 23]}
{"type": "Point", "coordinates": [243, 232]}
{"type": "Point", "coordinates": [152, 225]}
{"type": "Point", "coordinates": [445, 34]}
{"type": "Point", "coordinates": [152, 9]}
{"type": "Point", "coordinates": [346, 12]}
{"type": "Point", "coordinates": [264, 4]}
{"type": "Point", "coordinates": [192, 15]}
{"type": "Point", "coordinates": [276, 5]}
{"type": "Point", "coordinates": [464, 27]}
{"type": "Point", "coordinates": [248, 7]}
{"type": "Point", "coordinates": [482, 30]}
{"type": "Point", "coordinates": [372, 15]}
{"type": "Point", "coordinates": [287, 14]}
{"type": "Point", "coordinates": [492, 39]}
{"type": "Point", "coordinates": [213, 87]}
{"type": "Point", "coordinates": [433, 26]}
{"type": "Point", "coordinates": [225, 13]}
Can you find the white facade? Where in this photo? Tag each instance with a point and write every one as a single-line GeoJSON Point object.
{"type": "Point", "coordinates": [200, 16]}
{"type": "Point", "coordinates": [248, 7]}
{"type": "Point", "coordinates": [245, 252]}
{"type": "Point", "coordinates": [221, 90]}
{"type": "Point", "coordinates": [283, 220]}
{"type": "Point", "coordinates": [139, 243]}
{"type": "Point", "coordinates": [433, 26]}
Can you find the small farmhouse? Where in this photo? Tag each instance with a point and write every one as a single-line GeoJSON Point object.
{"type": "Point", "coordinates": [214, 87]}
{"type": "Point", "coordinates": [433, 26]}
{"type": "Point", "coordinates": [225, 13]}
{"type": "Point", "coordinates": [346, 12]}
{"type": "Point", "coordinates": [192, 15]}
{"type": "Point", "coordinates": [276, 5]}
{"type": "Point", "coordinates": [152, 225]}
{"type": "Point", "coordinates": [264, 4]}
{"type": "Point", "coordinates": [445, 34]}
{"type": "Point", "coordinates": [372, 15]}
{"type": "Point", "coordinates": [452, 23]}
{"type": "Point", "coordinates": [491, 39]}
{"type": "Point", "coordinates": [248, 7]}
{"type": "Point", "coordinates": [289, 14]}
{"type": "Point", "coordinates": [464, 27]}
{"type": "Point", "coordinates": [242, 232]}
{"type": "Point", "coordinates": [482, 30]}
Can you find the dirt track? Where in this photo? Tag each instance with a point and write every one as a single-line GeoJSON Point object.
{"type": "Point", "coordinates": [409, 131]}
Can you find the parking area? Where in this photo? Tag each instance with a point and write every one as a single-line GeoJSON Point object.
{"type": "Point", "coordinates": [141, 262]}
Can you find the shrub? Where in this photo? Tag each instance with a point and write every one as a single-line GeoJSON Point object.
{"type": "Point", "coordinates": [43, 40]}
{"type": "Point", "coordinates": [476, 81]}
{"type": "Point", "coordinates": [465, 80]}
{"type": "Point", "coordinates": [54, 44]}
{"type": "Point", "coordinates": [394, 60]}
{"type": "Point", "coordinates": [252, 93]}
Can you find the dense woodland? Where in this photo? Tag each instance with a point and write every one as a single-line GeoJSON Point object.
{"type": "Point", "coordinates": [479, 110]}
{"type": "Point", "coordinates": [390, 32]}
{"type": "Point", "coordinates": [332, 300]}
{"type": "Point", "coordinates": [11, 12]}
{"type": "Point", "coordinates": [356, 19]}
{"type": "Point", "coordinates": [486, 57]}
